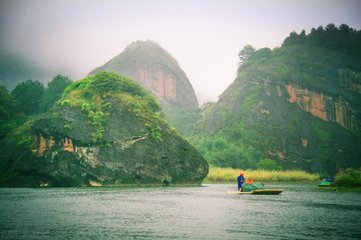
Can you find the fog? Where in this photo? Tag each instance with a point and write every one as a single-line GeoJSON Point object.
{"type": "Point", "coordinates": [72, 37]}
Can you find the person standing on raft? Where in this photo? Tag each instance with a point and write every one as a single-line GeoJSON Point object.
{"type": "Point", "coordinates": [240, 180]}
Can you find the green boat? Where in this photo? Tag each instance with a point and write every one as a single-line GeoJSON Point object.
{"type": "Point", "coordinates": [256, 188]}
{"type": "Point", "coordinates": [326, 182]}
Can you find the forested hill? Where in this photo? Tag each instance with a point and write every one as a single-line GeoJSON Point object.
{"type": "Point", "coordinates": [296, 106]}
{"type": "Point", "coordinates": [342, 39]}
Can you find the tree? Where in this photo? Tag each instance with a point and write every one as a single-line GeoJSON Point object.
{"type": "Point", "coordinates": [342, 39]}
{"type": "Point", "coordinates": [291, 39]}
{"type": "Point", "coordinates": [302, 37]}
{"type": "Point", "coordinates": [345, 29]}
{"type": "Point", "coordinates": [262, 53]}
{"type": "Point", "coordinates": [54, 91]}
{"type": "Point", "coordinates": [27, 96]}
{"type": "Point", "coordinates": [9, 118]}
{"type": "Point", "coordinates": [245, 53]}
{"type": "Point", "coordinates": [331, 28]}
{"type": "Point", "coordinates": [7, 104]}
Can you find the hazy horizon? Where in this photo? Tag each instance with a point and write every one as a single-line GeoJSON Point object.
{"type": "Point", "coordinates": [72, 37]}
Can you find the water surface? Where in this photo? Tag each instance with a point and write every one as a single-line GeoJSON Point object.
{"type": "Point", "coordinates": [208, 212]}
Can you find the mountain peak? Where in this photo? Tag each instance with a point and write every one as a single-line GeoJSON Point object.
{"type": "Point", "coordinates": [156, 70]}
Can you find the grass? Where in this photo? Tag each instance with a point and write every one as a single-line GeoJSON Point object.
{"type": "Point", "coordinates": [217, 174]}
{"type": "Point", "coordinates": [348, 178]}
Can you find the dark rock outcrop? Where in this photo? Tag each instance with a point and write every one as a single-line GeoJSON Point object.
{"type": "Point", "coordinates": [106, 130]}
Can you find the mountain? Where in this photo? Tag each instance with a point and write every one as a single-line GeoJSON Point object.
{"type": "Point", "coordinates": [15, 69]}
{"type": "Point", "coordinates": [156, 70]}
{"type": "Point", "coordinates": [106, 130]}
{"type": "Point", "coordinates": [297, 106]}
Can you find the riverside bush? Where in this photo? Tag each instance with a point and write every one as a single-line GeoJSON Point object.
{"type": "Point", "coordinates": [349, 178]}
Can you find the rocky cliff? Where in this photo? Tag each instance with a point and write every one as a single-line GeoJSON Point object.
{"type": "Point", "coordinates": [297, 105]}
{"type": "Point", "coordinates": [106, 130]}
{"type": "Point", "coordinates": [156, 70]}
{"type": "Point", "coordinates": [324, 107]}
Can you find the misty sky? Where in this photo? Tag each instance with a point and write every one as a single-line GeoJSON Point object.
{"type": "Point", "coordinates": [72, 37]}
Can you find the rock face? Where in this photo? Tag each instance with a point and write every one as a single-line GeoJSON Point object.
{"type": "Point", "coordinates": [156, 70]}
{"type": "Point", "coordinates": [106, 130]}
{"type": "Point", "coordinates": [323, 107]}
{"type": "Point", "coordinates": [299, 105]}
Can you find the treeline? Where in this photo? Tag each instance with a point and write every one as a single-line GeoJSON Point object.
{"type": "Point", "coordinates": [27, 99]}
{"type": "Point", "coordinates": [342, 39]}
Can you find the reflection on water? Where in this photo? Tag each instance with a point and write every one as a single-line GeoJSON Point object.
{"type": "Point", "coordinates": [208, 212]}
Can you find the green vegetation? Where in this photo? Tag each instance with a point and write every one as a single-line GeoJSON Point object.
{"type": "Point", "coordinates": [7, 111]}
{"type": "Point", "coordinates": [246, 53]}
{"type": "Point", "coordinates": [249, 101]}
{"type": "Point", "coordinates": [217, 174]}
{"type": "Point", "coordinates": [234, 145]}
{"type": "Point", "coordinates": [53, 92]}
{"type": "Point", "coordinates": [181, 118]}
{"type": "Point", "coordinates": [268, 164]}
{"type": "Point", "coordinates": [120, 134]}
{"type": "Point", "coordinates": [7, 104]}
{"type": "Point", "coordinates": [220, 151]}
{"type": "Point", "coordinates": [28, 95]}
{"type": "Point", "coordinates": [343, 39]}
{"type": "Point", "coordinates": [255, 124]}
{"type": "Point", "coordinates": [92, 95]}
{"type": "Point", "coordinates": [17, 107]}
{"type": "Point", "coordinates": [348, 178]}
{"type": "Point", "coordinates": [320, 132]}
{"type": "Point", "coordinates": [28, 99]}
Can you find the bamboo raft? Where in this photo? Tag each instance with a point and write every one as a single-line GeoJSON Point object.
{"type": "Point", "coordinates": [258, 191]}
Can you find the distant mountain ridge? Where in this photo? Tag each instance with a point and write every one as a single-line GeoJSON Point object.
{"type": "Point", "coordinates": [156, 70]}
{"type": "Point", "coordinates": [15, 69]}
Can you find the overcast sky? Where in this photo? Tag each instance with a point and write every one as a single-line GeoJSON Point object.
{"type": "Point", "coordinates": [74, 36]}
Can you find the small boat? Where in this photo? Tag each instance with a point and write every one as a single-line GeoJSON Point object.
{"type": "Point", "coordinates": [326, 182]}
{"type": "Point", "coordinates": [256, 188]}
{"type": "Point", "coordinates": [258, 191]}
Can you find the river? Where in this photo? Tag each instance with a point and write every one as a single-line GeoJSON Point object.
{"type": "Point", "coordinates": [302, 211]}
